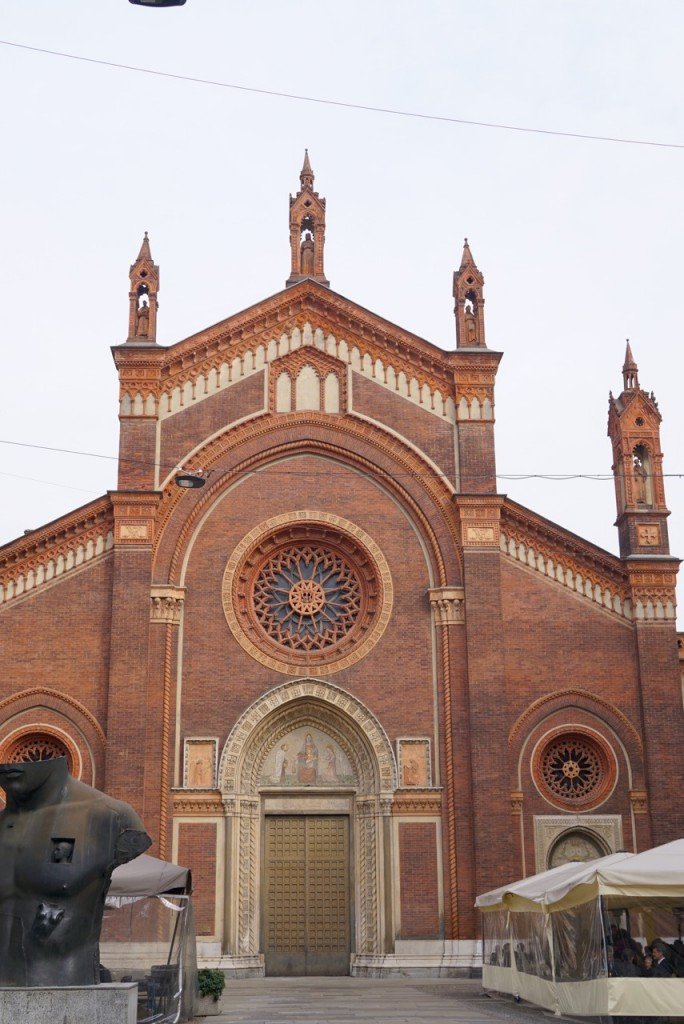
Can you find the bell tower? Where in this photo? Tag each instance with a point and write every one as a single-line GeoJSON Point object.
{"type": "Point", "coordinates": [634, 430]}
{"type": "Point", "coordinates": [307, 230]}
{"type": "Point", "coordinates": [469, 302]}
{"type": "Point", "coordinates": [143, 303]}
{"type": "Point", "coordinates": [475, 369]}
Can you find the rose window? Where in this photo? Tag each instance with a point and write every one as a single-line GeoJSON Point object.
{"type": "Point", "coordinates": [307, 597]}
{"type": "Point", "coordinates": [37, 747]}
{"type": "Point", "coordinates": [574, 769]}
{"type": "Point", "coordinates": [312, 593]}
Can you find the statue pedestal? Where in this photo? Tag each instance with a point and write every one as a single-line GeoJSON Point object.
{"type": "Point", "coordinates": [77, 1004]}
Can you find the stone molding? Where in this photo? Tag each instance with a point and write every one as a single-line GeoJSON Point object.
{"type": "Point", "coordinates": [134, 517]}
{"type": "Point", "coordinates": [419, 802]}
{"type": "Point", "coordinates": [448, 605]}
{"type": "Point", "coordinates": [167, 604]}
{"type": "Point", "coordinates": [334, 698]}
{"type": "Point", "coordinates": [197, 803]}
{"type": "Point", "coordinates": [607, 828]}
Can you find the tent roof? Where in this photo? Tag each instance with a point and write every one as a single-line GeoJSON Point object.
{"type": "Point", "coordinates": [656, 872]}
{"type": "Point", "coordinates": [148, 876]}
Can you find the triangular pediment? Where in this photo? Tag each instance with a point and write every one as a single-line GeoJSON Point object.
{"type": "Point", "coordinates": [327, 314]}
{"type": "Point", "coordinates": [306, 316]}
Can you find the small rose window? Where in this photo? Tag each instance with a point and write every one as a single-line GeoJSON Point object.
{"type": "Point", "coordinates": [574, 769]}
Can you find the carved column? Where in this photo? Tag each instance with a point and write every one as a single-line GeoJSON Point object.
{"type": "Point", "coordinates": [166, 608]}
{"type": "Point", "coordinates": [448, 610]}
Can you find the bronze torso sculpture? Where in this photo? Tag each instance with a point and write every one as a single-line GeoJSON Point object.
{"type": "Point", "coordinates": [60, 840]}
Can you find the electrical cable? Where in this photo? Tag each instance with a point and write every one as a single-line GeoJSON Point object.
{"type": "Point", "coordinates": [342, 103]}
{"type": "Point", "coordinates": [557, 477]}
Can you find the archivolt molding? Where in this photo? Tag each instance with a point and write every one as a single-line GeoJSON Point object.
{"type": "Point", "coordinates": [240, 758]}
{"type": "Point", "coordinates": [267, 428]}
{"type": "Point", "coordinates": [33, 695]}
{"type": "Point", "coordinates": [566, 699]}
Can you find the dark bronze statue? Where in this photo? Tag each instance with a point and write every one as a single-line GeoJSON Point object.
{"type": "Point", "coordinates": [60, 840]}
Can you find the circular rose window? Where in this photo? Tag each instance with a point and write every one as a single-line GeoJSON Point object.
{"type": "Point", "coordinates": [37, 747]}
{"type": "Point", "coordinates": [574, 769]}
{"type": "Point", "coordinates": [303, 590]}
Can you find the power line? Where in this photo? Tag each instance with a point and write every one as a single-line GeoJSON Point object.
{"type": "Point", "coordinates": [557, 477]}
{"type": "Point", "coordinates": [369, 108]}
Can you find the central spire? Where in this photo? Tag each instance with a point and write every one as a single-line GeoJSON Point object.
{"type": "Point", "coordinates": [307, 230]}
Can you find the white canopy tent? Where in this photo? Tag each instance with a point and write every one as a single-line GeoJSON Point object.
{"type": "Point", "coordinates": [565, 938]}
{"type": "Point", "coordinates": [148, 936]}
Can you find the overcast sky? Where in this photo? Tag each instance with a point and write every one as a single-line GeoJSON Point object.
{"type": "Point", "coordinates": [579, 241]}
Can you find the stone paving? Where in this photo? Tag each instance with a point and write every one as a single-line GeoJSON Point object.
{"type": "Point", "coordinates": [369, 1001]}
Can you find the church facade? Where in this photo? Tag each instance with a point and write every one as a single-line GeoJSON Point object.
{"type": "Point", "coordinates": [336, 672]}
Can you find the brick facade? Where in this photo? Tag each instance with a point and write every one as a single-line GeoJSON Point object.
{"type": "Point", "coordinates": [494, 631]}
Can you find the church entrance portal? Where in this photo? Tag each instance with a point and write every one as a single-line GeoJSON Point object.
{"type": "Point", "coordinates": [307, 928]}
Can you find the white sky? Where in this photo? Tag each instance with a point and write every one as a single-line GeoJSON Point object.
{"type": "Point", "coordinates": [579, 241]}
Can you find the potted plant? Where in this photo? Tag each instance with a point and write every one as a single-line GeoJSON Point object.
{"type": "Point", "coordinates": [211, 983]}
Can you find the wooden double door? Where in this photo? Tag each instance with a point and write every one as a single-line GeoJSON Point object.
{"type": "Point", "coordinates": [306, 913]}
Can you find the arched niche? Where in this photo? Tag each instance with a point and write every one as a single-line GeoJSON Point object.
{"type": "Point", "coordinates": [327, 710]}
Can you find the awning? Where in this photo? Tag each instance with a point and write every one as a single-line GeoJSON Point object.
{"type": "Point", "coordinates": [149, 876]}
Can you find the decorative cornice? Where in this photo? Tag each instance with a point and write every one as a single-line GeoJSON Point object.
{"type": "Point", "coordinates": [426, 802]}
{"type": "Point", "coordinates": [167, 604]}
{"type": "Point", "coordinates": [206, 803]}
{"type": "Point", "coordinates": [565, 559]}
{"type": "Point", "coordinates": [448, 605]}
{"type": "Point", "coordinates": [653, 586]}
{"type": "Point", "coordinates": [193, 382]}
{"type": "Point", "coordinates": [45, 555]}
{"type": "Point", "coordinates": [134, 517]}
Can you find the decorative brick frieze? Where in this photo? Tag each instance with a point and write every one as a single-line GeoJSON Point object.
{"type": "Point", "coordinates": [134, 517]}
{"type": "Point", "coordinates": [596, 577]}
{"type": "Point", "coordinates": [207, 804]}
{"type": "Point", "coordinates": [192, 385]}
{"type": "Point", "coordinates": [167, 604]}
{"type": "Point", "coordinates": [448, 605]}
{"type": "Point", "coordinates": [479, 518]}
{"type": "Point", "coordinates": [45, 556]}
{"type": "Point", "coordinates": [653, 590]}
{"type": "Point", "coordinates": [423, 802]}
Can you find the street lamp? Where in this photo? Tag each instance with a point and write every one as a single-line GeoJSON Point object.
{"type": "Point", "coordinates": [189, 480]}
{"type": "Point", "coordinates": [157, 3]}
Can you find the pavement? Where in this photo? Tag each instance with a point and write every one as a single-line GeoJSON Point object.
{"type": "Point", "coordinates": [370, 1001]}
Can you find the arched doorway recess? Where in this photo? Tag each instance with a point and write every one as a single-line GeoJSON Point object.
{"type": "Point", "coordinates": [253, 787]}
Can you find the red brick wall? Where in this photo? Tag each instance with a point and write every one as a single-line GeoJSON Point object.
{"type": "Point", "coordinates": [187, 428]}
{"type": "Point", "coordinates": [197, 851]}
{"type": "Point", "coordinates": [418, 880]}
{"type": "Point", "coordinates": [433, 436]}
